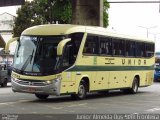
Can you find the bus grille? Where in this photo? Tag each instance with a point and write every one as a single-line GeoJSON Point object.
{"type": "Point", "coordinates": [31, 83]}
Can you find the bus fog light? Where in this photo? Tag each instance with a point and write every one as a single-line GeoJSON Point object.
{"type": "Point", "coordinates": [55, 89]}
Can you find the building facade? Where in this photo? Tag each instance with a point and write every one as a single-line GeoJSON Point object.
{"type": "Point", "coordinates": [6, 33]}
{"type": "Point", "coordinates": [6, 22]}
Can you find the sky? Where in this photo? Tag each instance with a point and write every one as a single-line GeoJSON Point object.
{"type": "Point", "coordinates": [128, 18]}
{"type": "Point", "coordinates": [135, 19]}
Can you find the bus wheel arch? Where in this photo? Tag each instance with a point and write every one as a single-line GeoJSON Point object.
{"type": "Point", "coordinates": [86, 82]}
{"type": "Point", "coordinates": [134, 86]}
{"type": "Point", "coordinates": [138, 79]}
{"type": "Point", "coordinates": [83, 88]}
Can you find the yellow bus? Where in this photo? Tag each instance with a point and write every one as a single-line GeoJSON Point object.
{"type": "Point", "coordinates": [71, 59]}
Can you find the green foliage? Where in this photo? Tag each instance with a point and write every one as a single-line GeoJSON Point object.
{"type": "Point", "coordinates": [105, 14]}
{"type": "Point", "coordinates": [47, 11]}
{"type": "Point", "coordinates": [62, 11]}
{"type": "Point", "coordinates": [42, 12]}
{"type": "Point", "coordinates": [23, 19]}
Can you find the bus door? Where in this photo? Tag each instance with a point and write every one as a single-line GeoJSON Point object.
{"type": "Point", "coordinates": [66, 52]}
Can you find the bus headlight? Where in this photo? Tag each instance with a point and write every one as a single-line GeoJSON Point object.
{"type": "Point", "coordinates": [49, 82]}
{"type": "Point", "coordinates": [14, 79]}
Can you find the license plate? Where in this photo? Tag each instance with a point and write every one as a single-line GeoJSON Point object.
{"type": "Point", "coordinates": [31, 90]}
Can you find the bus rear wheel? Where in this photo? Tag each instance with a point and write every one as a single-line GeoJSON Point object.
{"type": "Point", "coordinates": [135, 86]}
{"type": "Point", "coordinates": [41, 96]}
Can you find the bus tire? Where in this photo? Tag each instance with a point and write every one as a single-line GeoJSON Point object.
{"type": "Point", "coordinates": [4, 84]}
{"type": "Point", "coordinates": [82, 91]}
{"type": "Point", "coordinates": [41, 96]}
{"type": "Point", "coordinates": [135, 86]}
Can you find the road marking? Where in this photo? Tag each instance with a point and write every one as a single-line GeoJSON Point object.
{"type": "Point", "coordinates": [135, 113]}
{"type": "Point", "coordinates": [70, 111]}
{"type": "Point", "coordinates": [48, 116]}
{"type": "Point", "coordinates": [9, 103]}
{"type": "Point", "coordinates": [153, 109]}
{"type": "Point", "coordinates": [57, 108]}
{"type": "Point", "coordinates": [76, 105]}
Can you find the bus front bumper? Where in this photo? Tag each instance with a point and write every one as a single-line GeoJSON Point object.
{"type": "Point", "coordinates": [36, 87]}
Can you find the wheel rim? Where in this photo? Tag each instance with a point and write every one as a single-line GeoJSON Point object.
{"type": "Point", "coordinates": [135, 87]}
{"type": "Point", "coordinates": [81, 91]}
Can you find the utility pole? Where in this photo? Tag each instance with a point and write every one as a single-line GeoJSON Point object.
{"type": "Point", "coordinates": [87, 12]}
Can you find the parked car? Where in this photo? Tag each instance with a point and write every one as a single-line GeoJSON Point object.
{"type": "Point", "coordinates": [9, 71]}
{"type": "Point", "coordinates": [3, 78]}
{"type": "Point", "coordinates": [4, 75]}
{"type": "Point", "coordinates": [157, 74]}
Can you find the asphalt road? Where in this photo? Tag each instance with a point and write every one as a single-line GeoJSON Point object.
{"type": "Point", "coordinates": [146, 101]}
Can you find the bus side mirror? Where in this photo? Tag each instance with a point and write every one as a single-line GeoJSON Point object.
{"type": "Point", "coordinates": [8, 44]}
{"type": "Point", "coordinates": [61, 45]}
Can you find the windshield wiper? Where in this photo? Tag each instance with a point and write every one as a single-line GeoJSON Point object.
{"type": "Point", "coordinates": [29, 59]}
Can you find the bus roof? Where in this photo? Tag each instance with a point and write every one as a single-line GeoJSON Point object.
{"type": "Point", "coordinates": [64, 29]}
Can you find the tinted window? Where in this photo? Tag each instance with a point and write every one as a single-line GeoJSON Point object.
{"type": "Point", "coordinates": [91, 45]}
{"type": "Point", "coordinates": [149, 49]}
{"type": "Point", "coordinates": [130, 48]}
{"type": "Point", "coordinates": [110, 46]}
{"type": "Point", "coordinates": [140, 49]}
{"type": "Point", "coordinates": [118, 47]}
{"type": "Point", "coordinates": [105, 47]}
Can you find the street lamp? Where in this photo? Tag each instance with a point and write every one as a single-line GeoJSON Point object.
{"type": "Point", "coordinates": [155, 35]}
{"type": "Point", "coordinates": [155, 40]}
{"type": "Point", "coordinates": [147, 28]}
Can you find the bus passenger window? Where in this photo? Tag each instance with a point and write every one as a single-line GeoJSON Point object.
{"type": "Point", "coordinates": [76, 39]}
{"type": "Point", "coordinates": [149, 49]}
{"type": "Point", "coordinates": [90, 45]}
{"type": "Point", "coordinates": [130, 48]}
{"type": "Point", "coordinates": [118, 47]}
{"type": "Point", "coordinates": [105, 47]}
{"type": "Point", "coordinates": [140, 49]}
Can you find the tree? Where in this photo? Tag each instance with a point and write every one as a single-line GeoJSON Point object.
{"type": "Point", "coordinates": [105, 13]}
{"type": "Point", "coordinates": [24, 18]}
{"type": "Point", "coordinates": [42, 12]}
{"type": "Point", "coordinates": [47, 11]}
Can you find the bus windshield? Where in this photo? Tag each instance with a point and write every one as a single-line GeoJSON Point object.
{"type": "Point", "coordinates": [36, 54]}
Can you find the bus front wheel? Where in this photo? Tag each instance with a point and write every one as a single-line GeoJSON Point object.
{"type": "Point", "coordinates": [41, 96]}
{"type": "Point", "coordinates": [82, 91]}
